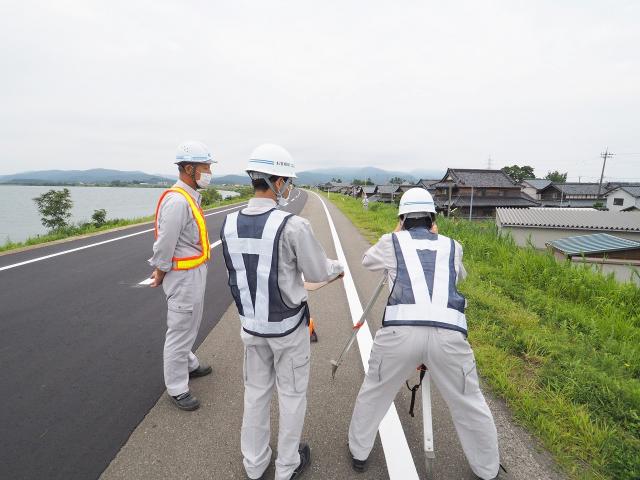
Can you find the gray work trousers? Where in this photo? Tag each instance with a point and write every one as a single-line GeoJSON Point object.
{"type": "Point", "coordinates": [281, 361]}
{"type": "Point", "coordinates": [185, 298]}
{"type": "Point", "coordinates": [395, 355]}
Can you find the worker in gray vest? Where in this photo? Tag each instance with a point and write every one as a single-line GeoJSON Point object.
{"type": "Point", "coordinates": [424, 323]}
{"type": "Point", "coordinates": [266, 250]}
{"type": "Point", "coordinates": [180, 255]}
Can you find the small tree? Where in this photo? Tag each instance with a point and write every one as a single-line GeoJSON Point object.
{"type": "Point", "coordinates": [557, 177]}
{"type": "Point", "coordinates": [55, 208]}
{"type": "Point", "coordinates": [519, 173]}
{"type": "Point", "coordinates": [99, 217]}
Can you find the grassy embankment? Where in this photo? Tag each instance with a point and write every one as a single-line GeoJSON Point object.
{"type": "Point", "coordinates": [560, 344]}
{"type": "Point", "coordinates": [89, 228]}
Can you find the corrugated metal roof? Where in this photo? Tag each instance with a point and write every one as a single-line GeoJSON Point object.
{"type": "Point", "coordinates": [594, 243]}
{"type": "Point", "coordinates": [565, 218]}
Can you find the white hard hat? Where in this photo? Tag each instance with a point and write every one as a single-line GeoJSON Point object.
{"type": "Point", "coordinates": [416, 200]}
{"type": "Point", "coordinates": [271, 159]}
{"type": "Point", "coordinates": [194, 152]}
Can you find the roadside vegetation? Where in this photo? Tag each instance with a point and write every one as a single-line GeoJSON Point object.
{"type": "Point", "coordinates": [560, 343]}
{"type": "Point", "coordinates": [55, 210]}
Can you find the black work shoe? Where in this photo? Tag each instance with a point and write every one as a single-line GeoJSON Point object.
{"type": "Point", "coordinates": [305, 460]}
{"type": "Point", "coordinates": [502, 474]}
{"type": "Point", "coordinates": [186, 401]}
{"type": "Point", "coordinates": [359, 466]}
{"type": "Point", "coordinates": [201, 371]}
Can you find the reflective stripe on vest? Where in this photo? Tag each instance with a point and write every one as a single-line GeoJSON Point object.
{"type": "Point", "coordinates": [187, 263]}
{"type": "Point", "coordinates": [250, 247]}
{"type": "Point", "coordinates": [424, 292]}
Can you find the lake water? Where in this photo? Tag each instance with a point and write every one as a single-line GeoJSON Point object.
{"type": "Point", "coordinates": [19, 217]}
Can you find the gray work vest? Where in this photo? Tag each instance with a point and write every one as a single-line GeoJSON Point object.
{"type": "Point", "coordinates": [250, 248]}
{"type": "Point", "coordinates": [424, 292]}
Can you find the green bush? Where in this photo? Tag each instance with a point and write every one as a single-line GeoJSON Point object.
{"type": "Point", "coordinates": [99, 217]}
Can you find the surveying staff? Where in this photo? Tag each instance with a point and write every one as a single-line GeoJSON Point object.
{"type": "Point", "coordinates": [424, 323]}
{"type": "Point", "coordinates": [265, 250]}
{"type": "Point", "coordinates": [180, 253]}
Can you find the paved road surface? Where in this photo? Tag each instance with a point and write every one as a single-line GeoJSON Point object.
{"type": "Point", "coordinates": [81, 349]}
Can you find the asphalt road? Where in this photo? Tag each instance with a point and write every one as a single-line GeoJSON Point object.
{"type": "Point", "coordinates": [81, 349]}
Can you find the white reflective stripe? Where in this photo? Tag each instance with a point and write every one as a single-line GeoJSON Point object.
{"type": "Point", "coordinates": [271, 328]}
{"type": "Point", "coordinates": [424, 313]}
{"type": "Point", "coordinates": [261, 311]}
{"type": "Point", "coordinates": [250, 246]}
{"type": "Point", "coordinates": [440, 294]}
{"type": "Point", "coordinates": [414, 268]}
{"type": "Point", "coordinates": [231, 233]}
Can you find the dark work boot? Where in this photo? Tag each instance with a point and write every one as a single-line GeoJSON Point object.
{"type": "Point", "coordinates": [359, 466]}
{"type": "Point", "coordinates": [305, 460]}
{"type": "Point", "coordinates": [502, 474]}
{"type": "Point", "coordinates": [201, 371]}
{"type": "Point", "coordinates": [186, 401]}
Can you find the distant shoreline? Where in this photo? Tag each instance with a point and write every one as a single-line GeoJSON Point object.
{"type": "Point", "coordinates": [108, 185]}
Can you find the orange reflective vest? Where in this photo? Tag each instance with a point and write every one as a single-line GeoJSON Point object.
{"type": "Point", "coordinates": [187, 263]}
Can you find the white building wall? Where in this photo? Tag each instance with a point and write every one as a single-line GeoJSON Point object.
{"type": "Point", "coordinates": [627, 200]}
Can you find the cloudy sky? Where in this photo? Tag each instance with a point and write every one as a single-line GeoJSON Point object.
{"type": "Point", "coordinates": [403, 85]}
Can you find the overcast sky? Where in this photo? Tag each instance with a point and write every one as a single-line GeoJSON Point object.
{"type": "Point", "coordinates": [398, 85]}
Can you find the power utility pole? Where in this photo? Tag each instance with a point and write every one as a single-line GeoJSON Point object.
{"type": "Point", "coordinates": [489, 163]}
{"type": "Point", "coordinates": [604, 156]}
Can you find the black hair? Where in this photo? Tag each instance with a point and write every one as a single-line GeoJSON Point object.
{"type": "Point", "coordinates": [260, 184]}
{"type": "Point", "coordinates": [182, 165]}
{"type": "Point", "coordinates": [422, 222]}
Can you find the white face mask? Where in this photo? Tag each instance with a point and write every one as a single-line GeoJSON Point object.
{"type": "Point", "coordinates": [204, 180]}
{"type": "Point", "coordinates": [283, 202]}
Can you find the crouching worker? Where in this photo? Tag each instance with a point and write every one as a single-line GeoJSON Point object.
{"type": "Point", "coordinates": [424, 323]}
{"type": "Point", "coordinates": [265, 250]}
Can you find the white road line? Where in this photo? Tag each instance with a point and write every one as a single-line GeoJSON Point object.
{"type": "Point", "coordinates": [400, 464]}
{"type": "Point", "coordinates": [45, 257]}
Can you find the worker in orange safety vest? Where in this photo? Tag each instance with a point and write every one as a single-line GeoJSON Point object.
{"type": "Point", "coordinates": [180, 254]}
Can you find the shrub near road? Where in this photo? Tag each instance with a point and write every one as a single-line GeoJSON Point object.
{"type": "Point", "coordinates": [560, 344]}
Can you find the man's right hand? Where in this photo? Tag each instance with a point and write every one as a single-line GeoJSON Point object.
{"type": "Point", "coordinates": [157, 276]}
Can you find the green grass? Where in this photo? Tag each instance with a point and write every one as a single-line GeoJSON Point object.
{"type": "Point", "coordinates": [87, 228]}
{"type": "Point", "coordinates": [560, 343]}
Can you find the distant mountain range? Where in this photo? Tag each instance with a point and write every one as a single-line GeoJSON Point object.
{"type": "Point", "coordinates": [93, 176]}
{"type": "Point", "coordinates": [309, 177]}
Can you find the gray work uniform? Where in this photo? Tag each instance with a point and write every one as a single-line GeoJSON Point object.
{"type": "Point", "coordinates": [178, 236]}
{"type": "Point", "coordinates": [272, 310]}
{"type": "Point", "coordinates": [429, 331]}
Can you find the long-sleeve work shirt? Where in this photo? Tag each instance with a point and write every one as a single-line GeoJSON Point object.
{"type": "Point", "coordinates": [178, 234]}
